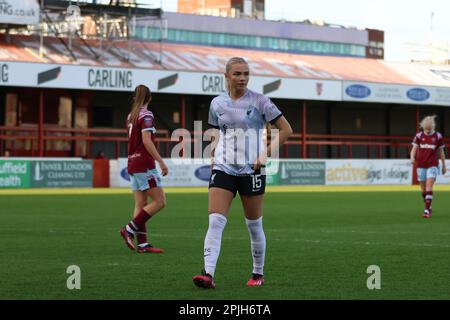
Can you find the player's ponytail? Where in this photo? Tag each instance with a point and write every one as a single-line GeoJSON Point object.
{"type": "Point", "coordinates": [141, 97]}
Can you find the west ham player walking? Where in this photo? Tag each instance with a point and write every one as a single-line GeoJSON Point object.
{"type": "Point", "coordinates": [239, 109]}
{"type": "Point", "coordinates": [145, 179]}
{"type": "Point", "coordinates": [428, 148]}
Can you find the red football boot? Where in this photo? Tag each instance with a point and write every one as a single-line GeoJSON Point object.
{"type": "Point", "coordinates": [204, 281]}
{"type": "Point", "coordinates": [256, 280]}
{"type": "Point", "coordinates": [149, 249]}
{"type": "Point", "coordinates": [128, 237]}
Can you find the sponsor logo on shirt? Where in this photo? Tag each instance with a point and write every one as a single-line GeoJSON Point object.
{"type": "Point", "coordinates": [134, 155]}
{"type": "Point", "coordinates": [427, 146]}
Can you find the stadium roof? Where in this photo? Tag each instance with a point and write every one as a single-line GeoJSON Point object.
{"type": "Point", "coordinates": [197, 70]}
{"type": "Point", "coordinates": [266, 28]}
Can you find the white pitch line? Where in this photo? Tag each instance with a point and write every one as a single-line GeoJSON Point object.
{"type": "Point", "coordinates": [313, 241]}
{"type": "Point", "coordinates": [318, 241]}
{"type": "Point", "coordinates": [361, 232]}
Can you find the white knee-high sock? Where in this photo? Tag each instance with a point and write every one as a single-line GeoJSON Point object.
{"type": "Point", "coordinates": [258, 244]}
{"type": "Point", "coordinates": [213, 241]}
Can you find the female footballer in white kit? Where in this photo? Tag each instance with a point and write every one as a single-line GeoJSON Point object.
{"type": "Point", "coordinates": [233, 112]}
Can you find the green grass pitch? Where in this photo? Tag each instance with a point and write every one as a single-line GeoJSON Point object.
{"type": "Point", "coordinates": [319, 246]}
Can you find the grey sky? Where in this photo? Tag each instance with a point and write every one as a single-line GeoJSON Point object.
{"type": "Point", "coordinates": [404, 21]}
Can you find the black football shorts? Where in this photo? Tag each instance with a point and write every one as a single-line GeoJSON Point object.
{"type": "Point", "coordinates": [246, 185]}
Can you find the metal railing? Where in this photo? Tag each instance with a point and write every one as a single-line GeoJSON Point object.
{"type": "Point", "coordinates": [24, 141]}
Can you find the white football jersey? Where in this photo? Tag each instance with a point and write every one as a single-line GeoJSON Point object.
{"type": "Point", "coordinates": [241, 124]}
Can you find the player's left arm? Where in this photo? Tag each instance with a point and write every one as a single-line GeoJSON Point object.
{"type": "Point", "coordinates": [283, 133]}
{"type": "Point", "coordinates": [147, 130]}
{"type": "Point", "coordinates": [442, 157]}
{"type": "Point", "coordinates": [275, 117]}
{"type": "Point", "coordinates": [153, 151]}
{"type": "Point", "coordinates": [441, 152]}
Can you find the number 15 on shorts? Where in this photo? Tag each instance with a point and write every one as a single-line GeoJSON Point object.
{"type": "Point", "coordinates": [256, 182]}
